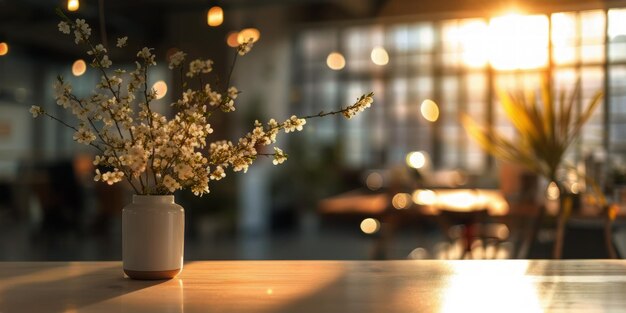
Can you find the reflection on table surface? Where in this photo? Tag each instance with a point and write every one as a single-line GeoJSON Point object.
{"type": "Point", "coordinates": [321, 286]}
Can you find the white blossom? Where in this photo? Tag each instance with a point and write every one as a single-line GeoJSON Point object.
{"type": "Point", "coordinates": [184, 171]}
{"type": "Point", "coordinates": [160, 154]}
{"type": "Point", "coordinates": [121, 42]}
{"type": "Point", "coordinates": [146, 55]}
{"type": "Point", "coordinates": [97, 50]}
{"type": "Point", "coordinates": [199, 66]}
{"type": "Point", "coordinates": [98, 160]}
{"type": "Point", "coordinates": [176, 59]}
{"type": "Point", "coordinates": [218, 173]}
{"type": "Point", "coordinates": [64, 27]}
{"type": "Point", "coordinates": [170, 183]}
{"type": "Point", "coordinates": [362, 103]}
{"type": "Point", "coordinates": [294, 124]}
{"type": "Point", "coordinates": [105, 62]}
{"type": "Point", "coordinates": [82, 31]}
{"type": "Point", "coordinates": [228, 106]}
{"type": "Point", "coordinates": [279, 156]}
{"type": "Point", "coordinates": [233, 92]}
{"type": "Point", "coordinates": [36, 110]}
{"type": "Point", "coordinates": [271, 132]}
{"type": "Point", "coordinates": [109, 177]}
{"type": "Point", "coordinates": [84, 135]}
{"type": "Point", "coordinates": [245, 47]}
{"type": "Point", "coordinates": [215, 98]}
{"type": "Point", "coordinates": [62, 92]}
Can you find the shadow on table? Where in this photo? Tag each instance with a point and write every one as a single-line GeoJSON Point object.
{"type": "Point", "coordinates": [8, 272]}
{"type": "Point", "coordinates": [63, 287]}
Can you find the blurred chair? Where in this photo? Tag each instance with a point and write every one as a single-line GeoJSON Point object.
{"type": "Point", "coordinates": [7, 203]}
{"type": "Point", "coordinates": [60, 197]}
{"type": "Point", "coordinates": [110, 200]}
{"type": "Point", "coordinates": [474, 231]}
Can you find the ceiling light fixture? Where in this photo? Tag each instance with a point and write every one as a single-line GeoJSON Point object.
{"type": "Point", "coordinates": [160, 88]}
{"type": "Point", "coordinates": [231, 39]}
{"type": "Point", "coordinates": [4, 48]}
{"type": "Point", "coordinates": [73, 5]}
{"type": "Point", "coordinates": [247, 34]}
{"type": "Point", "coordinates": [215, 16]}
{"type": "Point", "coordinates": [379, 56]}
{"type": "Point", "coordinates": [79, 67]}
{"type": "Point", "coordinates": [335, 61]}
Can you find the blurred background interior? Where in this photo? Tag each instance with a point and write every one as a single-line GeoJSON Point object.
{"type": "Point", "coordinates": [402, 180]}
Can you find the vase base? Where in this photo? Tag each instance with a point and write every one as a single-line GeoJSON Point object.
{"type": "Point", "coordinates": [152, 275]}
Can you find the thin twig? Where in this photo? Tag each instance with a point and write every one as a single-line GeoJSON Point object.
{"type": "Point", "coordinates": [103, 31]}
{"type": "Point", "coordinates": [128, 177]}
{"type": "Point", "coordinates": [222, 162]}
{"type": "Point", "coordinates": [230, 73]}
{"type": "Point", "coordinates": [150, 121]}
{"type": "Point", "coordinates": [98, 59]}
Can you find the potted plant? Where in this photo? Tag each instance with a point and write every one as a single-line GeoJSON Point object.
{"type": "Point", "coordinates": [546, 127]}
{"type": "Point", "coordinates": [158, 154]}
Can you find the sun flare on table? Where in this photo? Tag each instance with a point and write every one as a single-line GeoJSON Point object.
{"type": "Point", "coordinates": [491, 287]}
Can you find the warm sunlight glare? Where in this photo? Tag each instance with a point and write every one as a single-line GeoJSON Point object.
{"type": "Point", "coordinates": [215, 16]}
{"type": "Point", "coordinates": [491, 200]}
{"type": "Point", "coordinates": [289, 289]}
{"type": "Point", "coordinates": [507, 42]}
{"type": "Point", "coordinates": [424, 197]}
{"type": "Point", "coordinates": [161, 89]}
{"type": "Point", "coordinates": [491, 286]}
{"type": "Point", "coordinates": [335, 61]}
{"type": "Point", "coordinates": [617, 26]}
{"type": "Point", "coordinates": [518, 41]}
{"type": "Point", "coordinates": [429, 110]}
{"type": "Point", "coordinates": [456, 199]}
{"type": "Point", "coordinates": [4, 48]}
{"type": "Point", "coordinates": [379, 56]}
{"type": "Point", "coordinates": [474, 39]}
{"type": "Point", "coordinates": [72, 5]}
{"type": "Point", "coordinates": [370, 225]}
{"type": "Point", "coordinates": [247, 33]}
{"type": "Point", "coordinates": [79, 67]}
{"type": "Point", "coordinates": [564, 37]}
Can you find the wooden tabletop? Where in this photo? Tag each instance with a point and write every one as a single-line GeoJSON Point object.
{"type": "Point", "coordinates": [321, 286]}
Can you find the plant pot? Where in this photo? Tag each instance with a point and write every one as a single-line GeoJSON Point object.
{"type": "Point", "coordinates": [153, 235]}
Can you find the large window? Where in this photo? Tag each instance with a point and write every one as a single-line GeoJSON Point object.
{"type": "Point", "coordinates": [458, 63]}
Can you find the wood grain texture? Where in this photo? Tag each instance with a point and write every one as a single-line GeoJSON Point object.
{"type": "Point", "coordinates": [320, 286]}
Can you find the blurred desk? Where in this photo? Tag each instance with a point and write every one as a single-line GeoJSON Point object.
{"type": "Point", "coordinates": [321, 286]}
{"type": "Point", "coordinates": [429, 202]}
{"type": "Point", "coordinates": [355, 202]}
{"type": "Point", "coordinates": [448, 207]}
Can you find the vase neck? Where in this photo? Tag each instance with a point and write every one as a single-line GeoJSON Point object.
{"type": "Point", "coordinates": [148, 199]}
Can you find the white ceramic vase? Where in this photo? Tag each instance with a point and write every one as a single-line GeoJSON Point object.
{"type": "Point", "coordinates": [153, 236]}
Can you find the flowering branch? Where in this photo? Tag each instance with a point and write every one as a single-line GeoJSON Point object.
{"type": "Point", "coordinates": [163, 155]}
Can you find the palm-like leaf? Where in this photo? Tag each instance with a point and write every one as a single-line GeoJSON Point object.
{"type": "Point", "coordinates": [546, 129]}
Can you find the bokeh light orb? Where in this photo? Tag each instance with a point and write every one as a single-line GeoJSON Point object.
{"type": "Point", "coordinates": [335, 61]}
